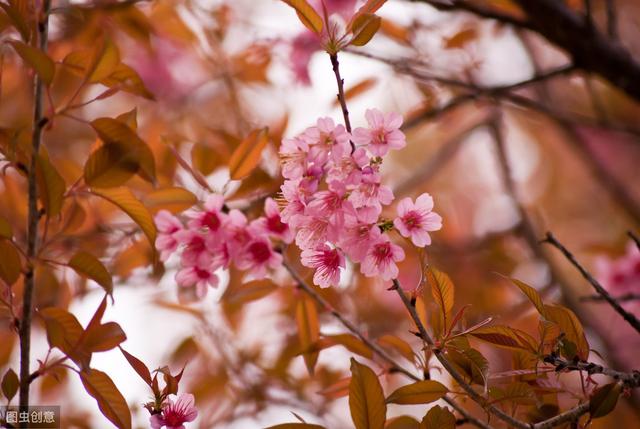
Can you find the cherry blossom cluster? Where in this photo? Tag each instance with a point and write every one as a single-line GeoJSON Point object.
{"type": "Point", "coordinates": [213, 237]}
{"type": "Point", "coordinates": [621, 276]}
{"type": "Point", "coordinates": [334, 199]}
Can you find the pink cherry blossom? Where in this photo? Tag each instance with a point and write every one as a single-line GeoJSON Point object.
{"type": "Point", "coordinates": [237, 234]}
{"type": "Point", "coordinates": [258, 257]}
{"type": "Point", "coordinates": [621, 275]}
{"type": "Point", "coordinates": [197, 277]}
{"type": "Point", "coordinates": [293, 212]}
{"type": "Point", "coordinates": [416, 220]}
{"type": "Point", "coordinates": [168, 225]}
{"type": "Point", "coordinates": [371, 192]}
{"type": "Point", "coordinates": [348, 169]}
{"type": "Point", "coordinates": [381, 259]}
{"type": "Point", "coordinates": [382, 134]}
{"type": "Point", "coordinates": [331, 204]}
{"type": "Point", "coordinates": [293, 153]}
{"type": "Point", "coordinates": [211, 218]}
{"type": "Point", "coordinates": [313, 231]}
{"type": "Point", "coordinates": [272, 224]}
{"type": "Point", "coordinates": [360, 234]}
{"type": "Point", "coordinates": [327, 263]}
{"type": "Point", "coordinates": [174, 415]}
{"type": "Point", "coordinates": [196, 250]}
{"type": "Point", "coordinates": [327, 139]}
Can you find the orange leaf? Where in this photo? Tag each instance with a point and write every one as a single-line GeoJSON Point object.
{"type": "Point", "coordinates": [110, 401]}
{"type": "Point", "coordinates": [38, 60]}
{"type": "Point", "coordinates": [89, 266]}
{"type": "Point", "coordinates": [173, 199]}
{"type": "Point", "coordinates": [10, 264]}
{"type": "Point", "coordinates": [366, 399]}
{"type": "Point", "coordinates": [505, 336]}
{"type": "Point", "coordinates": [123, 198]}
{"type": "Point", "coordinates": [307, 15]}
{"type": "Point", "coordinates": [365, 26]}
{"type": "Point", "coordinates": [308, 330]}
{"type": "Point", "coordinates": [420, 392]}
{"type": "Point", "coordinates": [443, 291]}
{"type": "Point", "coordinates": [248, 154]}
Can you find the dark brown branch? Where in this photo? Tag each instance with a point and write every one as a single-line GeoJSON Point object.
{"type": "Point", "coordinates": [341, 97]}
{"type": "Point", "coordinates": [589, 48]}
{"type": "Point", "coordinates": [628, 317]}
{"type": "Point", "coordinates": [475, 9]}
{"type": "Point", "coordinates": [33, 216]}
{"type": "Point", "coordinates": [628, 379]}
{"type": "Point", "coordinates": [620, 298]}
{"type": "Point", "coordinates": [635, 238]}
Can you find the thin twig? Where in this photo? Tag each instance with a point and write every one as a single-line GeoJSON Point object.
{"type": "Point", "coordinates": [341, 97]}
{"type": "Point", "coordinates": [304, 286]}
{"type": "Point", "coordinates": [628, 317]}
{"type": "Point", "coordinates": [635, 238]}
{"type": "Point", "coordinates": [620, 298]}
{"type": "Point", "coordinates": [33, 216]}
{"type": "Point", "coordinates": [628, 379]}
{"type": "Point", "coordinates": [470, 7]}
{"type": "Point", "coordinates": [448, 366]}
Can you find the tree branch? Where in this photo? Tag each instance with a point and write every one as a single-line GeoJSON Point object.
{"type": "Point", "coordinates": [302, 284]}
{"type": "Point", "coordinates": [480, 11]}
{"type": "Point", "coordinates": [628, 317]}
{"type": "Point", "coordinates": [448, 366]}
{"type": "Point", "coordinates": [589, 48]}
{"type": "Point", "coordinates": [33, 216]}
{"type": "Point", "coordinates": [628, 379]}
{"type": "Point", "coordinates": [341, 97]}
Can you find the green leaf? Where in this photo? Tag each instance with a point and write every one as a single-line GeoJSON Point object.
{"type": "Point", "coordinates": [123, 198]}
{"type": "Point", "coordinates": [110, 401]}
{"type": "Point", "coordinates": [365, 26]}
{"type": "Point", "coordinates": [51, 186]}
{"type": "Point", "coordinates": [89, 266]}
{"type": "Point", "coordinates": [366, 399]}
{"type": "Point", "coordinates": [604, 400]}
{"type": "Point", "coordinates": [38, 60]}
{"type": "Point", "coordinates": [10, 384]}
{"type": "Point", "coordinates": [248, 154]}
{"type": "Point", "coordinates": [307, 15]}
{"type": "Point", "coordinates": [439, 418]}
{"type": "Point", "coordinates": [420, 392]}
{"type": "Point", "coordinates": [10, 263]}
